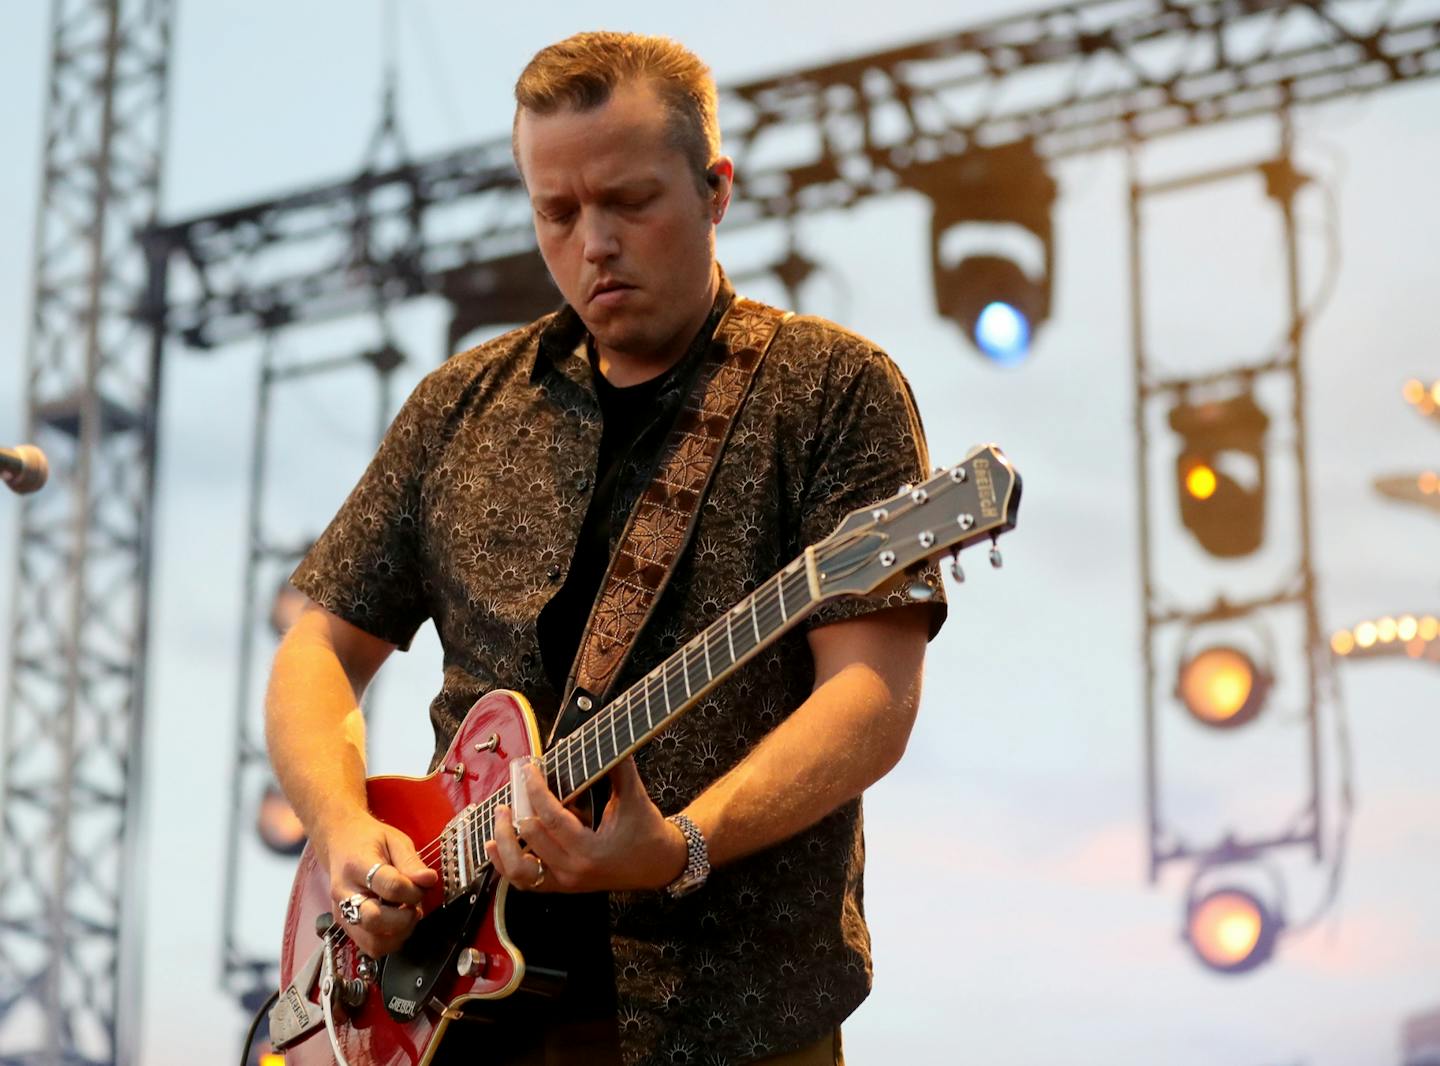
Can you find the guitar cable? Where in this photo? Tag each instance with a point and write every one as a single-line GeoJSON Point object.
{"type": "Point", "coordinates": [255, 1027]}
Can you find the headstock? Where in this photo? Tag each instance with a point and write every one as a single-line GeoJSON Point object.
{"type": "Point", "coordinates": [972, 501]}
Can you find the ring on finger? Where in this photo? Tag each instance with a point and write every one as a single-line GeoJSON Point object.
{"type": "Point", "coordinates": [370, 876]}
{"type": "Point", "coordinates": [539, 873]}
{"type": "Point", "coordinates": [350, 907]}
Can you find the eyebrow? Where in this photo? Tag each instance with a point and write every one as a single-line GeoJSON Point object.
{"type": "Point", "coordinates": [619, 189]}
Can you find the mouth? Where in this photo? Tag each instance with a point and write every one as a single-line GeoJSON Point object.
{"type": "Point", "coordinates": [609, 291]}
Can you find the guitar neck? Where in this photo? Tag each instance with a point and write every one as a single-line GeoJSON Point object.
{"type": "Point", "coordinates": [973, 501]}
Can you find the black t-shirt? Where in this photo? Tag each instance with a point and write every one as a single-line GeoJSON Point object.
{"type": "Point", "coordinates": [628, 414]}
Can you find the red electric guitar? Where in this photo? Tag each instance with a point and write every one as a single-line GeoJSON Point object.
{"type": "Point", "coordinates": [338, 1006]}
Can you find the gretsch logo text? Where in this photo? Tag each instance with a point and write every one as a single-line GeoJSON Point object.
{"type": "Point", "coordinates": [402, 1006]}
{"type": "Point", "coordinates": [297, 1005]}
{"type": "Point", "coordinates": [985, 489]}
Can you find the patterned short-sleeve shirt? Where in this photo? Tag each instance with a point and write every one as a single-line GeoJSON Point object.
{"type": "Point", "coordinates": [469, 515]}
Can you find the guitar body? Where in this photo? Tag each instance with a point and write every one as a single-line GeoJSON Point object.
{"type": "Point", "coordinates": [474, 768]}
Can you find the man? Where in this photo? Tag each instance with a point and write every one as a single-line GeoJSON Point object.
{"type": "Point", "coordinates": [492, 507]}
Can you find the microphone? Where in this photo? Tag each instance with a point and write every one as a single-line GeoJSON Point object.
{"type": "Point", "coordinates": [23, 467]}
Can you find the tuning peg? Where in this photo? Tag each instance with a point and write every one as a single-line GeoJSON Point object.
{"type": "Point", "coordinates": [995, 558]}
{"type": "Point", "coordinates": [920, 592]}
{"type": "Point", "coordinates": [955, 570]}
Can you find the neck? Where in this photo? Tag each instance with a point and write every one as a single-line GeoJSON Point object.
{"type": "Point", "coordinates": [622, 368]}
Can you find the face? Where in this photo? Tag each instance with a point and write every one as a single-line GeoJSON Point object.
{"type": "Point", "coordinates": [622, 224]}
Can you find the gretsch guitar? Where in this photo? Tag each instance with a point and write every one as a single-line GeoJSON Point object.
{"type": "Point", "coordinates": [339, 1006]}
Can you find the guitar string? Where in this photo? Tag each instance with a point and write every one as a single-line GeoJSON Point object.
{"type": "Point", "coordinates": [652, 683]}
{"type": "Point", "coordinates": [766, 597]}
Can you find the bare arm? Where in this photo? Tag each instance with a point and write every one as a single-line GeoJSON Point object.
{"type": "Point", "coordinates": [840, 741]}
{"type": "Point", "coordinates": [849, 732]}
{"type": "Point", "coordinates": [316, 736]}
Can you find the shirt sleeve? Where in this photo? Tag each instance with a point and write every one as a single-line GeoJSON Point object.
{"type": "Point", "coordinates": [366, 566]}
{"type": "Point", "coordinates": [869, 443]}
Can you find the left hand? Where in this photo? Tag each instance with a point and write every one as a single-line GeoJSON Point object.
{"type": "Point", "coordinates": [633, 848]}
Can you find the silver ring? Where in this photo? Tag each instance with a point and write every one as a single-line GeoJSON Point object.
{"type": "Point", "coordinates": [350, 908]}
{"type": "Point", "coordinates": [371, 876]}
{"type": "Point", "coordinates": [539, 873]}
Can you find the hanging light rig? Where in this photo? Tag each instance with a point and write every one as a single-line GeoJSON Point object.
{"type": "Point", "coordinates": [990, 193]}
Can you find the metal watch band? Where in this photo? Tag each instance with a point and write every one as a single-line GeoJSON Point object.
{"type": "Point", "coordinates": [697, 858]}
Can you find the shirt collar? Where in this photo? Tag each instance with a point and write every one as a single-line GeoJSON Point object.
{"type": "Point", "coordinates": [560, 336]}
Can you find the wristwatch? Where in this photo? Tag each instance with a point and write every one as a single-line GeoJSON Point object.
{"type": "Point", "coordinates": [697, 858]}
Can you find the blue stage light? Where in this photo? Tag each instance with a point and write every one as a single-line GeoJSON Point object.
{"type": "Point", "coordinates": [1002, 332]}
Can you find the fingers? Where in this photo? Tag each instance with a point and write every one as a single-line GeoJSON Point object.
{"type": "Point", "coordinates": [521, 869]}
{"type": "Point", "coordinates": [625, 780]}
{"type": "Point", "coordinates": [376, 866]}
{"type": "Point", "coordinates": [402, 877]}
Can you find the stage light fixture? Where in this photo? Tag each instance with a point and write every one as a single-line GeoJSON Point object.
{"type": "Point", "coordinates": [277, 823]}
{"type": "Point", "coordinates": [1222, 687]}
{"type": "Point", "coordinates": [289, 602]}
{"type": "Point", "coordinates": [998, 304]}
{"type": "Point", "coordinates": [1231, 931]}
{"type": "Point", "coordinates": [1220, 473]}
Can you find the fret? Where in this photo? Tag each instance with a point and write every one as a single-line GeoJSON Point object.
{"type": "Point", "coordinates": [584, 767]}
{"type": "Point", "coordinates": [665, 689]}
{"type": "Point", "coordinates": [730, 640]}
{"type": "Point", "coordinates": [648, 720]}
{"type": "Point", "coordinates": [705, 646]}
{"type": "Point", "coordinates": [552, 774]}
{"type": "Point", "coordinates": [684, 672]}
{"type": "Point", "coordinates": [614, 740]}
{"type": "Point", "coordinates": [754, 617]}
{"type": "Point", "coordinates": [780, 592]}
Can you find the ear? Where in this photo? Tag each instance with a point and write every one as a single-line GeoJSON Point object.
{"type": "Point", "coordinates": [720, 178]}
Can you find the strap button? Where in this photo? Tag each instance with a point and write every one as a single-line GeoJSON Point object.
{"type": "Point", "coordinates": [554, 572]}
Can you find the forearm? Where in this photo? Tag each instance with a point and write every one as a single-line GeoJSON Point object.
{"type": "Point", "coordinates": [843, 738]}
{"type": "Point", "coordinates": [314, 729]}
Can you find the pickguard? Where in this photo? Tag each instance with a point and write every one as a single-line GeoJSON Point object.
{"type": "Point", "coordinates": [408, 977]}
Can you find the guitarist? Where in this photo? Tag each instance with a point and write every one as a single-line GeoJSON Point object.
{"type": "Point", "coordinates": [716, 908]}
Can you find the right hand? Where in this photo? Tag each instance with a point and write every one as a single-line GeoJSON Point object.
{"type": "Point", "coordinates": [348, 851]}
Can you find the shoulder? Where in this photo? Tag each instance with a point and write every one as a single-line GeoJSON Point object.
{"type": "Point", "coordinates": [833, 360]}
{"type": "Point", "coordinates": [455, 382]}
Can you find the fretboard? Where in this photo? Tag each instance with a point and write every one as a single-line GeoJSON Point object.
{"type": "Point", "coordinates": [646, 708]}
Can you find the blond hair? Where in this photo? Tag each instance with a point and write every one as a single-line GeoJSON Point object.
{"type": "Point", "coordinates": [582, 72]}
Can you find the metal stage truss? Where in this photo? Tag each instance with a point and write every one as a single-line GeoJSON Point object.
{"type": "Point", "coordinates": [74, 706]}
{"type": "Point", "coordinates": [1066, 80]}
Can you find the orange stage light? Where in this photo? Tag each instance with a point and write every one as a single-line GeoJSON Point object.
{"type": "Point", "coordinates": [1231, 931]}
{"type": "Point", "coordinates": [1221, 687]}
{"type": "Point", "coordinates": [1200, 481]}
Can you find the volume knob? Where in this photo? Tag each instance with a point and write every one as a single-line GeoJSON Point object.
{"type": "Point", "coordinates": [471, 963]}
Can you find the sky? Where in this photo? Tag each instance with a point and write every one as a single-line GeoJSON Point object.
{"type": "Point", "coordinates": [1006, 876]}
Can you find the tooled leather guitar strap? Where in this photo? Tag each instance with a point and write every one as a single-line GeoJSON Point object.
{"type": "Point", "coordinates": [664, 518]}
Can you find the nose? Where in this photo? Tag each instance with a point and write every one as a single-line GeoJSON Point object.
{"type": "Point", "coordinates": [599, 236]}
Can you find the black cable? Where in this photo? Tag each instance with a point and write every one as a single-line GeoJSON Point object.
{"type": "Point", "coordinates": [255, 1026]}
